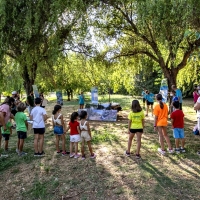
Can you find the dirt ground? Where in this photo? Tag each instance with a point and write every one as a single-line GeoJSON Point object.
{"type": "Point", "coordinates": [111, 175]}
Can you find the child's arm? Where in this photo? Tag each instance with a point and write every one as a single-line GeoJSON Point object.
{"type": "Point", "coordinates": [45, 117]}
{"type": "Point", "coordinates": [53, 124]}
{"type": "Point", "coordinates": [143, 123]}
{"type": "Point", "coordinates": [155, 123]}
{"type": "Point", "coordinates": [26, 124]}
{"type": "Point", "coordinates": [89, 131]}
{"type": "Point", "coordinates": [129, 125]}
{"type": "Point", "coordinates": [31, 117]}
{"type": "Point", "coordinates": [172, 121]}
{"type": "Point", "coordinates": [63, 123]}
{"type": "Point", "coordinates": [68, 128]}
{"type": "Point", "coordinates": [78, 129]}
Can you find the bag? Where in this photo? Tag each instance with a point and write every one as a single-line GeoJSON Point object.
{"type": "Point", "coordinates": [195, 130]}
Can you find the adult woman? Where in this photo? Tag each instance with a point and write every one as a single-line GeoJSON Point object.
{"type": "Point", "coordinates": [197, 108]}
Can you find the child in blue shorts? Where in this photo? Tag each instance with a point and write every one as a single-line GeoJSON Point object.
{"type": "Point", "coordinates": [177, 119]}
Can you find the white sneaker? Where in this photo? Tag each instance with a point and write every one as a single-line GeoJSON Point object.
{"type": "Point", "coordinates": [72, 155]}
{"type": "Point", "coordinates": [77, 155]}
{"type": "Point", "coordinates": [17, 151]}
{"type": "Point", "coordinates": [182, 150]}
{"type": "Point", "coordinates": [170, 150]}
{"type": "Point", "coordinates": [93, 156]}
{"type": "Point", "coordinates": [3, 155]}
{"type": "Point", "coordinates": [161, 151]}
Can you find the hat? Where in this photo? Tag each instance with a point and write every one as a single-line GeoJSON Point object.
{"type": "Point", "coordinates": [14, 92]}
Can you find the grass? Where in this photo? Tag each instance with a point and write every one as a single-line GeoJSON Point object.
{"type": "Point", "coordinates": [111, 175]}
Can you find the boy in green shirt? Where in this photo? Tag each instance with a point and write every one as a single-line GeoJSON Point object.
{"type": "Point", "coordinates": [21, 127]}
{"type": "Point", "coordinates": [6, 134]}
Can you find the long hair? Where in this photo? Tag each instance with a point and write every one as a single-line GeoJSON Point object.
{"type": "Point", "coordinates": [74, 115]}
{"type": "Point", "coordinates": [159, 98]}
{"type": "Point", "coordinates": [56, 109]}
{"type": "Point", "coordinates": [136, 106]}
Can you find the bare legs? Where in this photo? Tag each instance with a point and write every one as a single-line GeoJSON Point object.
{"type": "Point", "coordinates": [20, 145]}
{"type": "Point", "coordinates": [131, 136]}
{"type": "Point", "coordinates": [162, 132]}
{"type": "Point", "coordinates": [76, 147]}
{"type": "Point", "coordinates": [182, 143]}
{"type": "Point", "coordinates": [89, 146]}
{"type": "Point", "coordinates": [63, 142]}
{"type": "Point", "coordinates": [38, 143]}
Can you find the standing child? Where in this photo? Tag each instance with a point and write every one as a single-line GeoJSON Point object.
{"type": "Point", "coordinates": [74, 134]}
{"type": "Point", "coordinates": [174, 98]}
{"type": "Point", "coordinates": [160, 124]}
{"type": "Point", "coordinates": [81, 100]}
{"type": "Point", "coordinates": [59, 128]}
{"type": "Point", "coordinates": [38, 116]}
{"type": "Point", "coordinates": [177, 119]}
{"type": "Point", "coordinates": [150, 100]}
{"type": "Point", "coordinates": [6, 134]}
{"type": "Point", "coordinates": [135, 126]}
{"type": "Point", "coordinates": [85, 134]}
{"type": "Point", "coordinates": [144, 97]}
{"type": "Point", "coordinates": [22, 127]}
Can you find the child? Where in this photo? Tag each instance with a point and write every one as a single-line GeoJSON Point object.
{"type": "Point", "coordinates": [174, 98]}
{"type": "Point", "coordinates": [59, 128]}
{"type": "Point", "coordinates": [144, 97]}
{"type": "Point", "coordinates": [22, 127]}
{"type": "Point", "coordinates": [85, 134]}
{"type": "Point", "coordinates": [177, 119]}
{"type": "Point", "coordinates": [6, 134]}
{"type": "Point", "coordinates": [38, 116]}
{"type": "Point", "coordinates": [150, 100]}
{"type": "Point", "coordinates": [160, 124]}
{"type": "Point", "coordinates": [74, 134]}
{"type": "Point", "coordinates": [135, 126]}
{"type": "Point", "coordinates": [81, 100]}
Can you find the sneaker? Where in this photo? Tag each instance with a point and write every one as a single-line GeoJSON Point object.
{"type": "Point", "coordinates": [17, 151]}
{"type": "Point", "coordinates": [83, 157]}
{"type": "Point", "coordinates": [182, 150]}
{"type": "Point", "coordinates": [170, 151]}
{"type": "Point", "coordinates": [36, 154]}
{"type": "Point", "coordinates": [127, 154]}
{"type": "Point", "coordinates": [93, 156]}
{"type": "Point", "coordinates": [72, 155]}
{"type": "Point", "coordinates": [177, 150]}
{"type": "Point", "coordinates": [161, 151]}
{"type": "Point", "coordinates": [64, 153]}
{"type": "Point", "coordinates": [138, 156]}
{"type": "Point", "coordinates": [22, 154]}
{"type": "Point", "coordinates": [198, 153]}
{"type": "Point", "coordinates": [60, 151]}
{"type": "Point", "coordinates": [41, 154]}
{"type": "Point", "coordinates": [77, 155]}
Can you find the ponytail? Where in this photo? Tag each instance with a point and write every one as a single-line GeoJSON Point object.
{"type": "Point", "coordinates": [159, 98]}
{"type": "Point", "coordinates": [161, 104]}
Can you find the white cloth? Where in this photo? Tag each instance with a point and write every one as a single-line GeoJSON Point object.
{"type": "Point", "coordinates": [37, 114]}
{"type": "Point", "coordinates": [75, 138]}
{"type": "Point", "coordinates": [57, 120]}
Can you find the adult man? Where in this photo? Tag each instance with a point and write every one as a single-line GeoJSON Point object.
{"type": "Point", "coordinates": [179, 95]}
{"type": "Point", "coordinates": [30, 102]}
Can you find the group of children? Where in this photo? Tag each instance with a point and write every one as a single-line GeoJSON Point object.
{"type": "Point", "coordinates": [79, 131]}
{"type": "Point", "coordinates": [160, 111]}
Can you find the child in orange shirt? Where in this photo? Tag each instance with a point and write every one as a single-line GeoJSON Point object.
{"type": "Point", "coordinates": [160, 124]}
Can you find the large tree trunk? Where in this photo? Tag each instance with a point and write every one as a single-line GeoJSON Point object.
{"type": "Point", "coordinates": [68, 94]}
{"type": "Point", "coordinates": [29, 78]}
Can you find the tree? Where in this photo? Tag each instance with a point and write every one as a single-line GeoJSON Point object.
{"type": "Point", "coordinates": [34, 33]}
{"type": "Point", "coordinates": [165, 31]}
